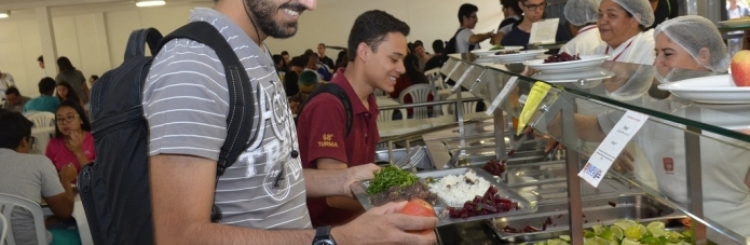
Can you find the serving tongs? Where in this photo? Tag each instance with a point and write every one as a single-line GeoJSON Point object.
{"type": "Point", "coordinates": [551, 152]}
{"type": "Point", "coordinates": [528, 131]}
{"type": "Point", "coordinates": [416, 154]}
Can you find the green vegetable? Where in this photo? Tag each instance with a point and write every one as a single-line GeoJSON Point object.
{"type": "Point", "coordinates": [634, 233]}
{"type": "Point", "coordinates": [388, 177]}
{"type": "Point", "coordinates": [497, 47]}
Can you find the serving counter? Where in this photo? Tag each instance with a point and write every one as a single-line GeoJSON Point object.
{"type": "Point", "coordinates": [689, 159]}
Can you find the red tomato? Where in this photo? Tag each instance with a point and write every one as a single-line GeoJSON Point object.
{"type": "Point", "coordinates": [419, 207]}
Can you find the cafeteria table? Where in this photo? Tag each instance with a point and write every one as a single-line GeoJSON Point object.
{"type": "Point", "coordinates": [79, 215]}
{"type": "Point", "coordinates": [408, 126]}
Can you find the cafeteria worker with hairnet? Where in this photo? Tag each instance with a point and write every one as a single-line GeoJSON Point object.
{"type": "Point", "coordinates": [622, 26]}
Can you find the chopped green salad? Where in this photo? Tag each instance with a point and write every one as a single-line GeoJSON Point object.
{"type": "Point", "coordinates": [497, 47]}
{"type": "Point", "coordinates": [390, 176]}
{"type": "Point", "coordinates": [628, 232]}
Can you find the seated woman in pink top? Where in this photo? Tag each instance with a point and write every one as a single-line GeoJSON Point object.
{"type": "Point", "coordinates": [73, 143]}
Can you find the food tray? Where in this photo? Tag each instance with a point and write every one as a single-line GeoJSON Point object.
{"type": "Point", "coordinates": [672, 224]}
{"type": "Point", "coordinates": [596, 210]}
{"type": "Point", "coordinates": [441, 208]}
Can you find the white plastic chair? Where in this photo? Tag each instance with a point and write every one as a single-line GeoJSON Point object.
{"type": "Point", "coordinates": [436, 79]}
{"type": "Point", "coordinates": [419, 94]}
{"type": "Point", "coordinates": [3, 228]}
{"type": "Point", "coordinates": [43, 129]}
{"type": "Point", "coordinates": [9, 202]}
{"type": "Point", "coordinates": [43, 137]}
{"type": "Point", "coordinates": [469, 106]}
{"type": "Point", "coordinates": [42, 119]}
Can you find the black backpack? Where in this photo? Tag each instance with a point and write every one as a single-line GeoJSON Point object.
{"type": "Point", "coordinates": [450, 48]}
{"type": "Point", "coordinates": [115, 189]}
{"type": "Point", "coordinates": [338, 91]}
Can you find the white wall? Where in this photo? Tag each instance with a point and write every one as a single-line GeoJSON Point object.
{"type": "Point", "coordinates": [331, 22]}
{"type": "Point", "coordinates": [95, 40]}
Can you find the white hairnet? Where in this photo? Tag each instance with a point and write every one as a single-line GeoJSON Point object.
{"type": "Point", "coordinates": [675, 74]}
{"type": "Point", "coordinates": [640, 9]}
{"type": "Point", "coordinates": [693, 33]}
{"type": "Point", "coordinates": [581, 12]}
{"type": "Point", "coordinates": [637, 85]}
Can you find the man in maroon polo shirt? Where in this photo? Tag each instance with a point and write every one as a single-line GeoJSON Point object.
{"type": "Point", "coordinates": [377, 46]}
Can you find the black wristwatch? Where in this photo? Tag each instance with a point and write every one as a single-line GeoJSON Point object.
{"type": "Point", "coordinates": [323, 236]}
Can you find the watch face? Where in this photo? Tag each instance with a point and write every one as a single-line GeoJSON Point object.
{"type": "Point", "coordinates": [324, 242]}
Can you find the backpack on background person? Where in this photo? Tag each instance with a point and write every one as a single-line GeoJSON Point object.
{"type": "Point", "coordinates": [450, 47]}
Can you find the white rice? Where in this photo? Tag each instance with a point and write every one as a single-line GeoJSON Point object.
{"type": "Point", "coordinates": [454, 190]}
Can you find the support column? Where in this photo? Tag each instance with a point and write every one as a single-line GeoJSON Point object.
{"type": "Point", "coordinates": [711, 9]}
{"type": "Point", "coordinates": [103, 40]}
{"type": "Point", "coordinates": [47, 35]}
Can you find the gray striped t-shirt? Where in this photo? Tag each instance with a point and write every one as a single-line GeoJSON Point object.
{"type": "Point", "coordinates": [186, 104]}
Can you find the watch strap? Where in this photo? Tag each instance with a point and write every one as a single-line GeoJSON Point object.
{"type": "Point", "coordinates": [324, 233]}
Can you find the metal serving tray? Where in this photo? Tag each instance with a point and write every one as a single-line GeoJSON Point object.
{"type": "Point", "coordinates": [441, 208]}
{"type": "Point", "coordinates": [597, 210]}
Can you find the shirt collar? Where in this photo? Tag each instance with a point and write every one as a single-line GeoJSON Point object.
{"type": "Point", "coordinates": [357, 106]}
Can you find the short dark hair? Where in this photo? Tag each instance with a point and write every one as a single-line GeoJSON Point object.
{"type": "Point", "coordinates": [438, 46]}
{"type": "Point", "coordinates": [64, 64]}
{"type": "Point", "coordinates": [313, 56]}
{"type": "Point", "coordinates": [418, 43]}
{"type": "Point", "coordinates": [411, 47]}
{"type": "Point", "coordinates": [465, 11]}
{"type": "Point", "coordinates": [309, 52]}
{"type": "Point", "coordinates": [95, 77]}
{"type": "Point", "coordinates": [513, 4]}
{"type": "Point", "coordinates": [15, 127]}
{"type": "Point", "coordinates": [13, 90]}
{"type": "Point", "coordinates": [47, 86]}
{"type": "Point", "coordinates": [300, 61]}
{"type": "Point", "coordinates": [284, 53]}
{"type": "Point", "coordinates": [277, 58]}
{"type": "Point", "coordinates": [371, 28]}
{"type": "Point", "coordinates": [40, 59]}
{"type": "Point", "coordinates": [85, 126]}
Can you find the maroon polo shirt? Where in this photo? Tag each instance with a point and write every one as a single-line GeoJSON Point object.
{"type": "Point", "coordinates": [321, 129]}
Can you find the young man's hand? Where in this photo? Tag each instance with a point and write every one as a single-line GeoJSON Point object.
{"type": "Point", "coordinates": [384, 225]}
{"type": "Point", "coordinates": [359, 173]}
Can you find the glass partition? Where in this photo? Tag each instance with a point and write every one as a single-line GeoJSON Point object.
{"type": "Point", "coordinates": [684, 143]}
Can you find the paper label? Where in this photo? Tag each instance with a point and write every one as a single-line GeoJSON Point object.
{"type": "Point", "coordinates": [502, 95]}
{"type": "Point", "coordinates": [538, 92]}
{"type": "Point", "coordinates": [544, 31]}
{"type": "Point", "coordinates": [611, 147]}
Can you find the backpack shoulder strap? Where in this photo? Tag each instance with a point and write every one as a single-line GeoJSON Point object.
{"type": "Point", "coordinates": [241, 98]}
{"type": "Point", "coordinates": [338, 91]}
{"type": "Point", "coordinates": [459, 30]}
{"type": "Point", "coordinates": [138, 41]}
